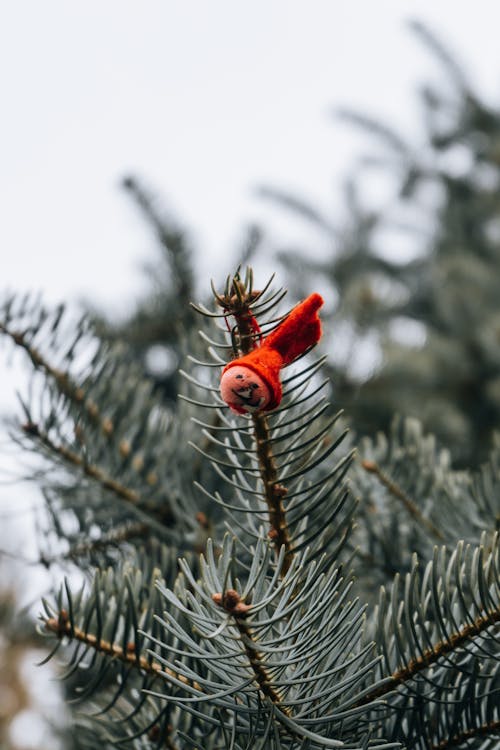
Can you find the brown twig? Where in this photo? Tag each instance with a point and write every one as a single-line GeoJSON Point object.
{"type": "Point", "coordinates": [114, 538]}
{"type": "Point", "coordinates": [274, 492]}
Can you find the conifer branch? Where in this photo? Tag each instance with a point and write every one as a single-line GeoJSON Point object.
{"type": "Point", "coordinates": [62, 626]}
{"type": "Point", "coordinates": [432, 655]}
{"type": "Point", "coordinates": [119, 490]}
{"type": "Point", "coordinates": [115, 537]}
{"type": "Point", "coordinates": [66, 385]}
{"type": "Point", "coordinates": [231, 602]}
{"type": "Point", "coordinates": [483, 730]}
{"type": "Point", "coordinates": [239, 306]}
{"type": "Point", "coordinates": [90, 470]}
{"type": "Point", "coordinates": [274, 492]}
{"type": "Point", "coordinates": [396, 491]}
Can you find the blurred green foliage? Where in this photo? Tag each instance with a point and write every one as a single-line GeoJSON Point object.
{"type": "Point", "coordinates": [416, 324]}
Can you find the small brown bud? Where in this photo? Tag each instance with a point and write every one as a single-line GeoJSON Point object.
{"type": "Point", "coordinates": [138, 462]}
{"type": "Point", "coordinates": [154, 733]}
{"type": "Point", "coordinates": [369, 465]}
{"type": "Point", "coordinates": [107, 426]}
{"type": "Point", "coordinates": [202, 519]}
{"type": "Point", "coordinates": [241, 609]}
{"type": "Point", "coordinates": [279, 490]}
{"type": "Point", "coordinates": [124, 448]}
{"type": "Point", "coordinates": [92, 408]}
{"type": "Point", "coordinates": [130, 647]}
{"type": "Point", "coordinates": [273, 534]}
{"type": "Point", "coordinates": [30, 428]}
{"type": "Point", "coordinates": [231, 599]}
{"type": "Point", "coordinates": [152, 478]}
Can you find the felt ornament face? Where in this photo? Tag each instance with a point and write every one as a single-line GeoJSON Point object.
{"type": "Point", "coordinates": [252, 382]}
{"type": "Point", "coordinates": [243, 390]}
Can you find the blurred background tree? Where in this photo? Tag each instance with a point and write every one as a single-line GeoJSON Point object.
{"type": "Point", "coordinates": [415, 320]}
{"type": "Point", "coordinates": [416, 283]}
{"type": "Point", "coordinates": [31, 715]}
{"type": "Point", "coordinates": [157, 329]}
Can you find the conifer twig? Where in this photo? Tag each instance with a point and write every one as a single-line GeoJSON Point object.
{"type": "Point", "coordinates": [124, 533]}
{"type": "Point", "coordinates": [431, 655]}
{"type": "Point", "coordinates": [64, 382]}
{"type": "Point", "coordinates": [274, 491]}
{"type": "Point", "coordinates": [483, 730]}
{"type": "Point", "coordinates": [130, 496]}
{"type": "Point", "coordinates": [230, 600]}
{"type": "Point", "coordinates": [373, 468]}
{"type": "Point", "coordinates": [61, 626]}
{"type": "Point", "coordinates": [239, 306]}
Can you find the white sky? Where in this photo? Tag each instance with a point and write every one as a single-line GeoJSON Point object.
{"type": "Point", "coordinates": [203, 98]}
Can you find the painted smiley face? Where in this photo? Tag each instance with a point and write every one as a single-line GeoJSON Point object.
{"type": "Point", "coordinates": [243, 390]}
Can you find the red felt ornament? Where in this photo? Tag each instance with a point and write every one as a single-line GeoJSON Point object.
{"type": "Point", "coordinates": [252, 382]}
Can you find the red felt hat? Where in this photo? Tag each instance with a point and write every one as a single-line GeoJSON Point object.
{"type": "Point", "coordinates": [300, 330]}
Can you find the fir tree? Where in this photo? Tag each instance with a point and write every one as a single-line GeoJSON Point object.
{"type": "Point", "coordinates": [219, 607]}
{"type": "Point", "coordinates": [446, 206]}
{"type": "Point", "coordinates": [157, 328]}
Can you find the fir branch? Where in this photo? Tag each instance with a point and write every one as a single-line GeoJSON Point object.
{"type": "Point", "coordinates": [438, 650]}
{"type": "Point", "coordinates": [90, 470]}
{"type": "Point", "coordinates": [449, 63]}
{"type": "Point", "coordinates": [274, 492]}
{"type": "Point", "coordinates": [432, 655]}
{"type": "Point", "coordinates": [65, 384]}
{"type": "Point", "coordinates": [396, 491]}
{"type": "Point", "coordinates": [238, 304]}
{"type": "Point", "coordinates": [114, 538]}
{"type": "Point", "coordinates": [62, 626]}
{"type": "Point", "coordinates": [231, 602]}
{"type": "Point", "coordinates": [271, 628]}
{"type": "Point", "coordinates": [483, 730]}
{"type": "Point", "coordinates": [171, 238]}
{"type": "Point", "coordinates": [119, 490]}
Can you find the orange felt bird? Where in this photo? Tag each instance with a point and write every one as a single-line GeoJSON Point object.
{"type": "Point", "coordinates": [252, 383]}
